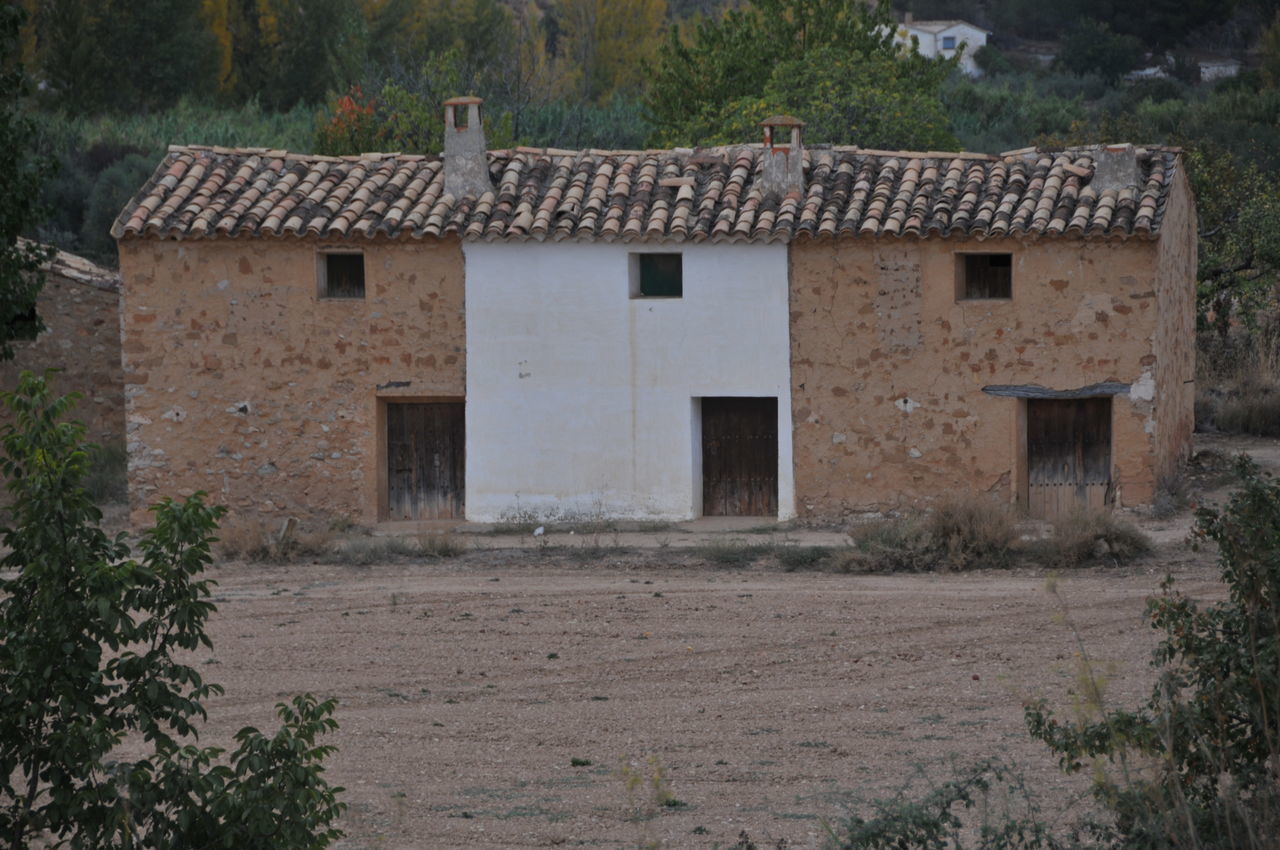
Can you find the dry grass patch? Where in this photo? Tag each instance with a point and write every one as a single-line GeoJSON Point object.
{"type": "Point", "coordinates": [1089, 537]}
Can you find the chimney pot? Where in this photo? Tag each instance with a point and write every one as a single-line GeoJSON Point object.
{"type": "Point", "coordinates": [466, 159]}
{"type": "Point", "coordinates": [782, 155]}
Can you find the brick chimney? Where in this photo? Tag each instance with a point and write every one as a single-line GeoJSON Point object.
{"type": "Point", "coordinates": [783, 171]}
{"type": "Point", "coordinates": [466, 162]}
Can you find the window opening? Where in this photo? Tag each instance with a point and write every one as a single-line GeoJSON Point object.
{"type": "Point", "coordinates": [659, 276]}
{"type": "Point", "coordinates": [985, 276]}
{"type": "Point", "coordinates": [343, 276]}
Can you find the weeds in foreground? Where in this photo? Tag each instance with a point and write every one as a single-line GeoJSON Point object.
{"type": "Point", "coordinates": [1089, 537]}
{"type": "Point", "coordinates": [255, 541]}
{"type": "Point", "coordinates": [970, 533]}
{"type": "Point", "coordinates": [648, 788]}
{"type": "Point", "coordinates": [991, 793]}
{"type": "Point", "coordinates": [956, 535]}
{"type": "Point", "coordinates": [731, 553]}
{"type": "Point", "coordinates": [960, 536]}
{"type": "Point", "coordinates": [363, 551]}
{"type": "Point", "coordinates": [794, 558]}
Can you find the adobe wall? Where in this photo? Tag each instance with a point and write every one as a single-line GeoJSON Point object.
{"type": "Point", "coordinates": [80, 309]}
{"type": "Point", "coordinates": [1176, 331]}
{"type": "Point", "coordinates": [243, 383]}
{"type": "Point", "coordinates": [888, 367]}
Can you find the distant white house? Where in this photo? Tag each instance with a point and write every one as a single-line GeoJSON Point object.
{"type": "Point", "coordinates": [944, 38]}
{"type": "Point", "coordinates": [1213, 67]}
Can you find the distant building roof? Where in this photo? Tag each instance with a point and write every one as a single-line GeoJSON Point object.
{"type": "Point", "coordinates": [77, 268]}
{"type": "Point", "coordinates": [939, 26]}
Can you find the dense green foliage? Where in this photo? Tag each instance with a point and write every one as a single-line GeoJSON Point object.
{"type": "Point", "coordinates": [90, 647]}
{"type": "Point", "coordinates": [21, 175]}
{"type": "Point", "coordinates": [1195, 765]}
{"type": "Point", "coordinates": [831, 61]}
{"type": "Point", "coordinates": [104, 55]}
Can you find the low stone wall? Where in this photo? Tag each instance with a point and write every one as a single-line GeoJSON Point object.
{"type": "Point", "coordinates": [80, 307]}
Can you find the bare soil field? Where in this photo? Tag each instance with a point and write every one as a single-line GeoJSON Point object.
{"type": "Point", "coordinates": [770, 701]}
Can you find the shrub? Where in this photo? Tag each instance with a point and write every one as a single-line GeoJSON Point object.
{"type": "Point", "coordinates": [890, 545]}
{"type": "Point", "coordinates": [1087, 536]}
{"type": "Point", "coordinates": [1197, 761]}
{"type": "Point", "coordinates": [1009, 819]}
{"type": "Point", "coordinates": [971, 533]}
{"type": "Point", "coordinates": [1173, 493]}
{"type": "Point", "coordinates": [1092, 46]}
{"type": "Point", "coordinates": [92, 653]}
{"type": "Point", "coordinates": [794, 558]}
{"type": "Point", "coordinates": [1257, 414]}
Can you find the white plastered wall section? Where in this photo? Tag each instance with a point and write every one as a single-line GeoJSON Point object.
{"type": "Point", "coordinates": [581, 400]}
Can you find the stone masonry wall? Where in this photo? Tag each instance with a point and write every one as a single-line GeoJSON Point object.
{"type": "Point", "coordinates": [242, 382]}
{"type": "Point", "coordinates": [1176, 332]}
{"type": "Point", "coordinates": [80, 309]}
{"type": "Point", "coordinates": [888, 367]}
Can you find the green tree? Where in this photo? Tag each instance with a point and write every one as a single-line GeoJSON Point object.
{"type": "Point", "coordinates": [873, 101]}
{"type": "Point", "coordinates": [606, 42]}
{"type": "Point", "coordinates": [133, 55]}
{"type": "Point", "coordinates": [1091, 46]}
{"type": "Point", "coordinates": [1209, 734]}
{"type": "Point", "coordinates": [90, 640]}
{"type": "Point", "coordinates": [285, 52]}
{"type": "Point", "coordinates": [736, 57]}
{"type": "Point", "coordinates": [21, 175]}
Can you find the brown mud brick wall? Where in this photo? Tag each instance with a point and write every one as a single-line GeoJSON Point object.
{"type": "Point", "coordinates": [80, 307]}
{"type": "Point", "coordinates": [243, 382]}
{"type": "Point", "coordinates": [888, 366]}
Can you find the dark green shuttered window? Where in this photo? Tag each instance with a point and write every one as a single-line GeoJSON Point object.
{"type": "Point", "coordinates": [661, 276]}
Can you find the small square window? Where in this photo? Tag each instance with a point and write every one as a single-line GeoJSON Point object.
{"type": "Point", "coordinates": [984, 276]}
{"type": "Point", "coordinates": [657, 276]}
{"type": "Point", "coordinates": [948, 42]}
{"type": "Point", "coordinates": [342, 275]}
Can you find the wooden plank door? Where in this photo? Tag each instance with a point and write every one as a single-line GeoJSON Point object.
{"type": "Point", "coordinates": [1068, 456]}
{"type": "Point", "coordinates": [425, 456]}
{"type": "Point", "coordinates": [740, 457]}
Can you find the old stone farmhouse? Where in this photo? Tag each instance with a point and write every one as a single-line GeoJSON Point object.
{"type": "Point", "coordinates": [767, 329]}
{"type": "Point", "coordinates": [80, 308]}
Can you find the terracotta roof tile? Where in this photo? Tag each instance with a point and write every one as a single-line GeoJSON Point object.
{"type": "Point", "coordinates": [677, 195]}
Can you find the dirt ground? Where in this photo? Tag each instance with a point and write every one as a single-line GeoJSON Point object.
{"type": "Point", "coordinates": [536, 697]}
{"type": "Point", "coordinates": [769, 700]}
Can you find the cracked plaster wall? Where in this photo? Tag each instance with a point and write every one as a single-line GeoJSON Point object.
{"type": "Point", "coordinates": [241, 382]}
{"type": "Point", "coordinates": [888, 367]}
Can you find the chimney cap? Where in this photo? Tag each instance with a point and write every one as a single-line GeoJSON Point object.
{"type": "Point", "coordinates": [782, 121]}
{"type": "Point", "coordinates": [465, 100]}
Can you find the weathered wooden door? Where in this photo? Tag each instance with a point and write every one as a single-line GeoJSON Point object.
{"type": "Point", "coordinates": [1068, 456]}
{"type": "Point", "coordinates": [425, 456]}
{"type": "Point", "coordinates": [740, 457]}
